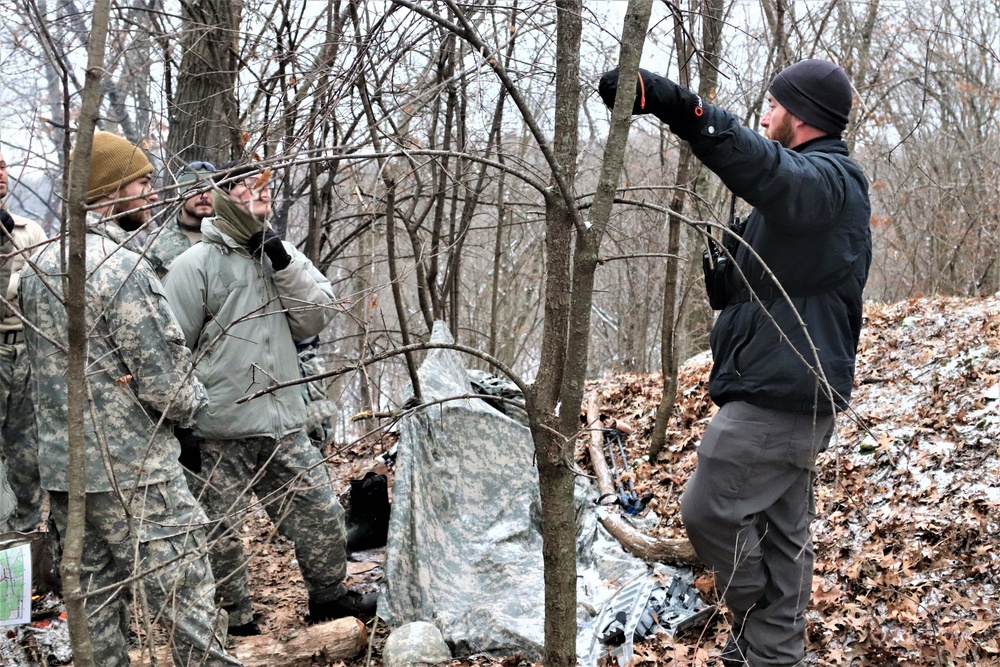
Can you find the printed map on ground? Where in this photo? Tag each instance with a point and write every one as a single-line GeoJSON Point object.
{"type": "Point", "coordinates": [15, 585]}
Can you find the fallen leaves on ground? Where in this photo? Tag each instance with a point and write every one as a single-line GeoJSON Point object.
{"type": "Point", "coordinates": [906, 535]}
{"type": "Point", "coordinates": [907, 553]}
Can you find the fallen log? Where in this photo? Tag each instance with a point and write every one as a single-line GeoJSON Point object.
{"type": "Point", "coordinates": [637, 543]}
{"type": "Point", "coordinates": [325, 643]}
{"type": "Point", "coordinates": [329, 642]}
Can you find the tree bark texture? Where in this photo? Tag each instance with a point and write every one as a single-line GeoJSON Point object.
{"type": "Point", "coordinates": [326, 643]}
{"type": "Point", "coordinates": [571, 254]}
{"type": "Point", "coordinates": [553, 448]}
{"type": "Point", "coordinates": [323, 643]}
{"type": "Point", "coordinates": [203, 115]}
{"type": "Point", "coordinates": [74, 291]}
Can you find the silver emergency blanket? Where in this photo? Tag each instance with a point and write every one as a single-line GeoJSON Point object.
{"type": "Point", "coordinates": [465, 544]}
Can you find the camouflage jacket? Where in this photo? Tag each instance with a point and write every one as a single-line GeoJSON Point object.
{"type": "Point", "coordinates": [166, 243]}
{"type": "Point", "coordinates": [139, 379]}
{"type": "Point", "coordinates": [241, 318]}
{"type": "Point", "coordinates": [319, 408]}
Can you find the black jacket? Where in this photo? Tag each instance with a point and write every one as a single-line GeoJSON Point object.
{"type": "Point", "coordinates": [810, 227]}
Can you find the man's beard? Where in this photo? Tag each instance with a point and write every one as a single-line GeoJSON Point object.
{"type": "Point", "coordinates": [783, 133]}
{"type": "Point", "coordinates": [130, 219]}
{"type": "Point", "coordinates": [189, 213]}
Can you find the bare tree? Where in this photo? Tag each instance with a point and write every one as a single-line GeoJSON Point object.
{"type": "Point", "coordinates": [707, 57]}
{"type": "Point", "coordinates": [382, 128]}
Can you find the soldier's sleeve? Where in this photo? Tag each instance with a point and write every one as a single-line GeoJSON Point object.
{"type": "Point", "coordinates": [186, 292]}
{"type": "Point", "coordinates": [789, 188]}
{"type": "Point", "coordinates": [306, 296]}
{"type": "Point", "coordinates": [151, 344]}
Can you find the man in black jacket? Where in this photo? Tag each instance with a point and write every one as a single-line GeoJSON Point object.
{"type": "Point", "coordinates": [784, 345]}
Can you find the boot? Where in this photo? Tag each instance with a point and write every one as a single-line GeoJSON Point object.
{"type": "Point", "coordinates": [358, 605]}
{"type": "Point", "coordinates": [250, 629]}
{"type": "Point", "coordinates": [735, 653]}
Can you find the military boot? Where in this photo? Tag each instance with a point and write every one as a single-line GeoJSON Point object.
{"type": "Point", "coordinates": [735, 653]}
{"type": "Point", "coordinates": [250, 629]}
{"type": "Point", "coordinates": [358, 605]}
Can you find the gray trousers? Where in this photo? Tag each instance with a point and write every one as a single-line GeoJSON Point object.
{"type": "Point", "coordinates": [292, 482]}
{"type": "Point", "coordinates": [747, 511]}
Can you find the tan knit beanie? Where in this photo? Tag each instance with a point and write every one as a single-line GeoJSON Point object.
{"type": "Point", "coordinates": [114, 162]}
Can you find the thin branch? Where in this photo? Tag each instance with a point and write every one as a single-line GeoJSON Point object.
{"type": "Point", "coordinates": [388, 354]}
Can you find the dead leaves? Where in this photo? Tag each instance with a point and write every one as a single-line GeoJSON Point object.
{"type": "Point", "coordinates": [908, 497]}
{"type": "Point", "coordinates": [263, 179]}
{"type": "Point", "coordinates": [903, 540]}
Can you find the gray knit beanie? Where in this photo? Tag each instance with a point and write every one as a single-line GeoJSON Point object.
{"type": "Point", "coordinates": [816, 92]}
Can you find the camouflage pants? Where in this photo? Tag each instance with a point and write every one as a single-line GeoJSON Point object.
{"type": "Point", "coordinates": [291, 480]}
{"type": "Point", "coordinates": [179, 588]}
{"type": "Point", "coordinates": [17, 435]}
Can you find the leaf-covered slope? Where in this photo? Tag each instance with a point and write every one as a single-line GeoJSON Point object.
{"type": "Point", "coordinates": [907, 546]}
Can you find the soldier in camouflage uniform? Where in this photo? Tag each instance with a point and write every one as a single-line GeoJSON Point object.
{"type": "Point", "coordinates": [17, 414]}
{"type": "Point", "coordinates": [319, 407]}
{"type": "Point", "coordinates": [242, 296]}
{"type": "Point", "coordinates": [140, 514]}
{"type": "Point", "coordinates": [179, 234]}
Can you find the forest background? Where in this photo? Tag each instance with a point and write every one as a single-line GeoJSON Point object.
{"type": "Point", "coordinates": [324, 89]}
{"type": "Point", "coordinates": [445, 160]}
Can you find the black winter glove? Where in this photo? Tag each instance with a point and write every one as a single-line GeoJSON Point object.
{"type": "Point", "coordinates": [676, 106]}
{"type": "Point", "coordinates": [272, 246]}
{"type": "Point", "coordinates": [7, 221]}
{"type": "Point", "coordinates": [190, 456]}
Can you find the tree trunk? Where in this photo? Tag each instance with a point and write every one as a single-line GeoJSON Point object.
{"type": "Point", "coordinates": [556, 481]}
{"type": "Point", "coordinates": [572, 253]}
{"type": "Point", "coordinates": [342, 639]}
{"type": "Point", "coordinates": [74, 289]}
{"type": "Point", "coordinates": [203, 115]}
{"type": "Point", "coordinates": [668, 324]}
{"type": "Point", "coordinates": [651, 549]}
{"type": "Point", "coordinates": [687, 173]}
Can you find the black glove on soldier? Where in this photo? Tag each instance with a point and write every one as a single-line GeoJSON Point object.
{"type": "Point", "coordinates": [676, 106]}
{"type": "Point", "coordinates": [272, 246]}
{"type": "Point", "coordinates": [190, 456]}
{"type": "Point", "coordinates": [7, 221]}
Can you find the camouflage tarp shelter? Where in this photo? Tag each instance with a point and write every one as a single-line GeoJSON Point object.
{"type": "Point", "coordinates": [465, 547]}
{"type": "Point", "coordinates": [465, 543]}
